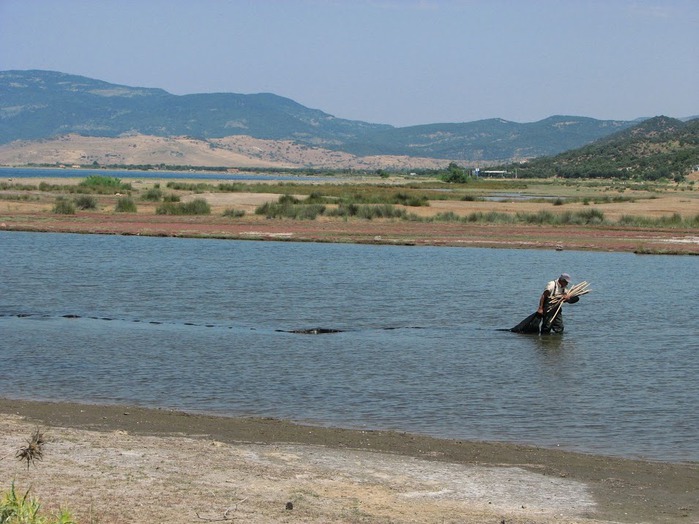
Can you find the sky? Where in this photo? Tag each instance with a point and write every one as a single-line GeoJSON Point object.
{"type": "Point", "coordinates": [398, 62]}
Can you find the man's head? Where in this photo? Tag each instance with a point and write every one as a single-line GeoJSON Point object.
{"type": "Point", "coordinates": [564, 279]}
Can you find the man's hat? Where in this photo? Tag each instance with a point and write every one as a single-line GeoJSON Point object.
{"type": "Point", "coordinates": [566, 277]}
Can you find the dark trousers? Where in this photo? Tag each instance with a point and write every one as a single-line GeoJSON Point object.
{"type": "Point", "coordinates": [555, 325]}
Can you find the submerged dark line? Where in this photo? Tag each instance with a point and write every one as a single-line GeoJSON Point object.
{"type": "Point", "coordinates": [300, 331]}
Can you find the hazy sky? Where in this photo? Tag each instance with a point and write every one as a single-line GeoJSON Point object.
{"type": "Point", "coordinates": [400, 62]}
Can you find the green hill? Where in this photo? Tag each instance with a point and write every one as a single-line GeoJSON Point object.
{"type": "Point", "coordinates": [659, 147]}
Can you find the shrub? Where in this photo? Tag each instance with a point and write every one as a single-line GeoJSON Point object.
{"type": "Point", "coordinates": [64, 207]}
{"type": "Point", "coordinates": [86, 202]}
{"type": "Point", "coordinates": [171, 198]}
{"type": "Point", "coordinates": [199, 187]}
{"type": "Point", "coordinates": [16, 509]}
{"type": "Point", "coordinates": [449, 216]}
{"type": "Point", "coordinates": [542, 217]}
{"type": "Point", "coordinates": [198, 206]}
{"type": "Point", "coordinates": [309, 212]}
{"type": "Point", "coordinates": [125, 205]}
{"type": "Point", "coordinates": [490, 217]}
{"type": "Point", "coordinates": [103, 184]}
{"type": "Point", "coordinates": [234, 213]}
{"type": "Point", "coordinates": [380, 211]}
{"type": "Point", "coordinates": [344, 210]}
{"type": "Point", "coordinates": [289, 206]}
{"type": "Point", "coordinates": [316, 198]}
{"type": "Point", "coordinates": [591, 216]}
{"type": "Point", "coordinates": [285, 209]}
{"type": "Point", "coordinates": [288, 199]}
{"type": "Point", "coordinates": [470, 198]}
{"type": "Point", "coordinates": [405, 199]}
{"type": "Point", "coordinates": [153, 195]}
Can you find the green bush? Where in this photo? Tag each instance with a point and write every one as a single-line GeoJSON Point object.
{"type": "Point", "coordinates": [103, 184]}
{"type": "Point", "coordinates": [16, 509]}
{"type": "Point", "coordinates": [591, 216]}
{"type": "Point", "coordinates": [234, 213]}
{"type": "Point", "coordinates": [405, 199]}
{"type": "Point", "coordinates": [380, 211]}
{"type": "Point", "coordinates": [285, 209]}
{"type": "Point", "coordinates": [64, 207]}
{"type": "Point", "coordinates": [317, 198]}
{"type": "Point", "coordinates": [86, 202]}
{"type": "Point", "coordinates": [98, 180]}
{"type": "Point", "coordinates": [171, 198]}
{"type": "Point", "coordinates": [449, 216]}
{"type": "Point", "coordinates": [289, 206]}
{"type": "Point", "coordinates": [492, 217]}
{"type": "Point", "coordinates": [125, 205]}
{"type": "Point", "coordinates": [288, 200]}
{"type": "Point", "coordinates": [199, 187]}
{"type": "Point", "coordinates": [470, 198]}
{"type": "Point", "coordinates": [344, 210]}
{"type": "Point", "coordinates": [153, 195]}
{"type": "Point", "coordinates": [198, 206]}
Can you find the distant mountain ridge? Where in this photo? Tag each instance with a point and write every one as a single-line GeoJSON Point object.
{"type": "Point", "coordinates": [43, 104]}
{"type": "Point", "coordinates": [37, 105]}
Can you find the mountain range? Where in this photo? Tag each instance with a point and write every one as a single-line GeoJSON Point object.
{"type": "Point", "coordinates": [40, 105]}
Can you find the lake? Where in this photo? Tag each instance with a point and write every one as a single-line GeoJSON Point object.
{"type": "Point", "coordinates": [46, 172]}
{"type": "Point", "coordinates": [204, 325]}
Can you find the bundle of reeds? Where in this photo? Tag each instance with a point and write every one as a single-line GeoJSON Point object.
{"type": "Point", "coordinates": [555, 303]}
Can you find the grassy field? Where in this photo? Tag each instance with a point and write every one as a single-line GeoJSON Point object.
{"type": "Point", "coordinates": [662, 217]}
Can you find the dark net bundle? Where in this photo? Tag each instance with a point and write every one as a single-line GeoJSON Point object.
{"type": "Point", "coordinates": [529, 325]}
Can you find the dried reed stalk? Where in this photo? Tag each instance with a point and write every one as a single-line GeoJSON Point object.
{"type": "Point", "coordinates": [34, 450]}
{"type": "Point", "coordinates": [557, 301]}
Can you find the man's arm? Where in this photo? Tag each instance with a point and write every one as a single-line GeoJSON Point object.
{"type": "Point", "coordinates": [543, 298]}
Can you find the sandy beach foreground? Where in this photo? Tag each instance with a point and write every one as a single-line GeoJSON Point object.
{"type": "Point", "coordinates": [117, 464]}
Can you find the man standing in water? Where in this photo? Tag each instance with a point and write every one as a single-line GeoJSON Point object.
{"type": "Point", "coordinates": [554, 288]}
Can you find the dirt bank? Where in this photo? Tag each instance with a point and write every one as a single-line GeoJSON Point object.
{"type": "Point", "coordinates": [125, 464]}
{"type": "Point", "coordinates": [391, 232]}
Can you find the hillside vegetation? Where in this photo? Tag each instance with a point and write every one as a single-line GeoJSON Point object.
{"type": "Point", "coordinates": [658, 148]}
{"type": "Point", "coordinates": [40, 105]}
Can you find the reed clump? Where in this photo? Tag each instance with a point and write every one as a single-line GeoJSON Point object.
{"type": "Point", "coordinates": [103, 184]}
{"type": "Point", "coordinates": [86, 202]}
{"type": "Point", "coordinates": [154, 194]}
{"type": "Point", "coordinates": [198, 206]}
{"type": "Point", "coordinates": [234, 213]}
{"type": "Point", "coordinates": [125, 205]}
{"type": "Point", "coordinates": [63, 206]}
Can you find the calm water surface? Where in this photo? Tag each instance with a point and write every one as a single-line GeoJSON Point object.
{"type": "Point", "coordinates": [34, 172]}
{"type": "Point", "coordinates": [202, 325]}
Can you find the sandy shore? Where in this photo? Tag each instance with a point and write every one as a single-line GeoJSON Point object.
{"type": "Point", "coordinates": [116, 464]}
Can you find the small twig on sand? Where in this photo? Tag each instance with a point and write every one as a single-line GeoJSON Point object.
{"type": "Point", "coordinates": [224, 517]}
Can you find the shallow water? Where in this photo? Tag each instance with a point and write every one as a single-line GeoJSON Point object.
{"type": "Point", "coordinates": [37, 172]}
{"type": "Point", "coordinates": [203, 325]}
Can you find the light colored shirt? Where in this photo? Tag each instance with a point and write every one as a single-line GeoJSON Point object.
{"type": "Point", "coordinates": [554, 288]}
